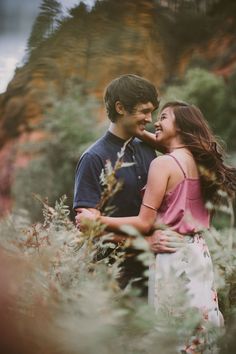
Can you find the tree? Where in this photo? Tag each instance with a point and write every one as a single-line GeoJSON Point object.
{"type": "Point", "coordinates": [45, 23]}
{"type": "Point", "coordinates": [213, 96]}
{"type": "Point", "coordinates": [69, 130]}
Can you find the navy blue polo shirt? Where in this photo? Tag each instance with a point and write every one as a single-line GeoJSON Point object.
{"type": "Point", "coordinates": [88, 189]}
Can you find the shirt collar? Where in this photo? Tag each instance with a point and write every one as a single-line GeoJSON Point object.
{"type": "Point", "coordinates": [115, 139]}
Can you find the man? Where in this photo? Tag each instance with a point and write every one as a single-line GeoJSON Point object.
{"type": "Point", "coordinates": [130, 101]}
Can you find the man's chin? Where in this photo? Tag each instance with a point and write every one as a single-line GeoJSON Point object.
{"type": "Point", "coordinates": [140, 131]}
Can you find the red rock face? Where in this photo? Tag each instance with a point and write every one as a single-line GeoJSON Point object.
{"type": "Point", "coordinates": [7, 157]}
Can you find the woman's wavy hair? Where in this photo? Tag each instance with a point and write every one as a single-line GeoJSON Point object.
{"type": "Point", "coordinates": [215, 175]}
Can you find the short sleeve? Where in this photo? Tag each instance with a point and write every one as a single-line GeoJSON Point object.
{"type": "Point", "coordinates": [87, 190]}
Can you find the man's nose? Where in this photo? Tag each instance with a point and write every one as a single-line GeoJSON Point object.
{"type": "Point", "coordinates": [148, 117]}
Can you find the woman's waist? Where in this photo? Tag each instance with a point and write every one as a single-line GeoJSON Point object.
{"type": "Point", "coordinates": [178, 240]}
{"type": "Point", "coordinates": [183, 219]}
{"type": "Point", "coordinates": [184, 225]}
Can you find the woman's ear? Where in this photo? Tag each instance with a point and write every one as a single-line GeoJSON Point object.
{"type": "Point", "coordinates": [119, 107]}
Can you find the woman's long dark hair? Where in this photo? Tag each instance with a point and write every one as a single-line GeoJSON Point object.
{"type": "Point", "coordinates": [215, 175]}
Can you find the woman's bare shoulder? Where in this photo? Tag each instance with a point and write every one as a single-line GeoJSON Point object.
{"type": "Point", "coordinates": [162, 159]}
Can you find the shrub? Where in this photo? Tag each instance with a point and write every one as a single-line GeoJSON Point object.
{"type": "Point", "coordinates": [213, 96]}
{"type": "Point", "coordinates": [69, 126]}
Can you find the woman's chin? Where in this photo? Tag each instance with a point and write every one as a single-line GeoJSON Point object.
{"type": "Point", "coordinates": [159, 139]}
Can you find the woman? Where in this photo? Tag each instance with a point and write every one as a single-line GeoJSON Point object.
{"type": "Point", "coordinates": [179, 185]}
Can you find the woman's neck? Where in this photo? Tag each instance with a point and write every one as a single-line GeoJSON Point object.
{"type": "Point", "coordinates": [175, 144]}
{"type": "Point", "coordinates": [177, 147]}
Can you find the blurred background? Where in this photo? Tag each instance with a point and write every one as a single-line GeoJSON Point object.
{"type": "Point", "coordinates": [58, 56]}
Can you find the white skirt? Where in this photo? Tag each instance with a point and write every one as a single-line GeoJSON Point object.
{"type": "Point", "coordinates": [186, 275]}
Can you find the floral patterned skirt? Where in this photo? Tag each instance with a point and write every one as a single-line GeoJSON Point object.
{"type": "Point", "coordinates": [186, 274]}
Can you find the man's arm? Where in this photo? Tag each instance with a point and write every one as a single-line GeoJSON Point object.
{"type": "Point", "coordinates": [87, 189]}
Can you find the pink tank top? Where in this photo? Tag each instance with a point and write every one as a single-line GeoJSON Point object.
{"type": "Point", "coordinates": [183, 208]}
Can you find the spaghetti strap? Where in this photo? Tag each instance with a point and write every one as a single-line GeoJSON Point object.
{"type": "Point", "coordinates": [178, 163]}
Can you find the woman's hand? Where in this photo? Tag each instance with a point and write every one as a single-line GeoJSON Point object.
{"type": "Point", "coordinates": [85, 214]}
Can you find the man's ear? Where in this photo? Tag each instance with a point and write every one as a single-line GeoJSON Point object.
{"type": "Point", "coordinates": [119, 107]}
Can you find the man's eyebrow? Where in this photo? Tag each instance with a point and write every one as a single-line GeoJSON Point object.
{"type": "Point", "coordinates": [147, 110]}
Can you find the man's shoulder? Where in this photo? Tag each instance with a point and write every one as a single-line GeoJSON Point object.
{"type": "Point", "coordinates": [96, 148]}
{"type": "Point", "coordinates": [92, 157]}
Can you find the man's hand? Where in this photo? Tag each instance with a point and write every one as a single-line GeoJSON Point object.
{"type": "Point", "coordinates": [164, 241]}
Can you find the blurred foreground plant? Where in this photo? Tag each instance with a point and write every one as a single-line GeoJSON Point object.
{"type": "Point", "coordinates": [56, 297]}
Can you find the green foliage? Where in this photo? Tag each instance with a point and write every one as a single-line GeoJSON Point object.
{"type": "Point", "coordinates": [69, 128]}
{"type": "Point", "coordinates": [213, 96]}
{"type": "Point", "coordinates": [222, 247]}
{"type": "Point", "coordinates": [228, 123]}
{"type": "Point", "coordinates": [68, 303]}
{"type": "Point", "coordinates": [44, 24]}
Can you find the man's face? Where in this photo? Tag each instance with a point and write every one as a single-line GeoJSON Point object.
{"type": "Point", "coordinates": [133, 124]}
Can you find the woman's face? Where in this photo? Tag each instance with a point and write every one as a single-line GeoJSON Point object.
{"type": "Point", "coordinates": [166, 127]}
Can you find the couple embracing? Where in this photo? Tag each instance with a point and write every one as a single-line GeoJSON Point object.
{"type": "Point", "coordinates": [177, 186]}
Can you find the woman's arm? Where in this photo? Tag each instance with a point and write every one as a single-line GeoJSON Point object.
{"type": "Point", "coordinates": [158, 177]}
{"type": "Point", "coordinates": [143, 222]}
{"type": "Point", "coordinates": [150, 139]}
